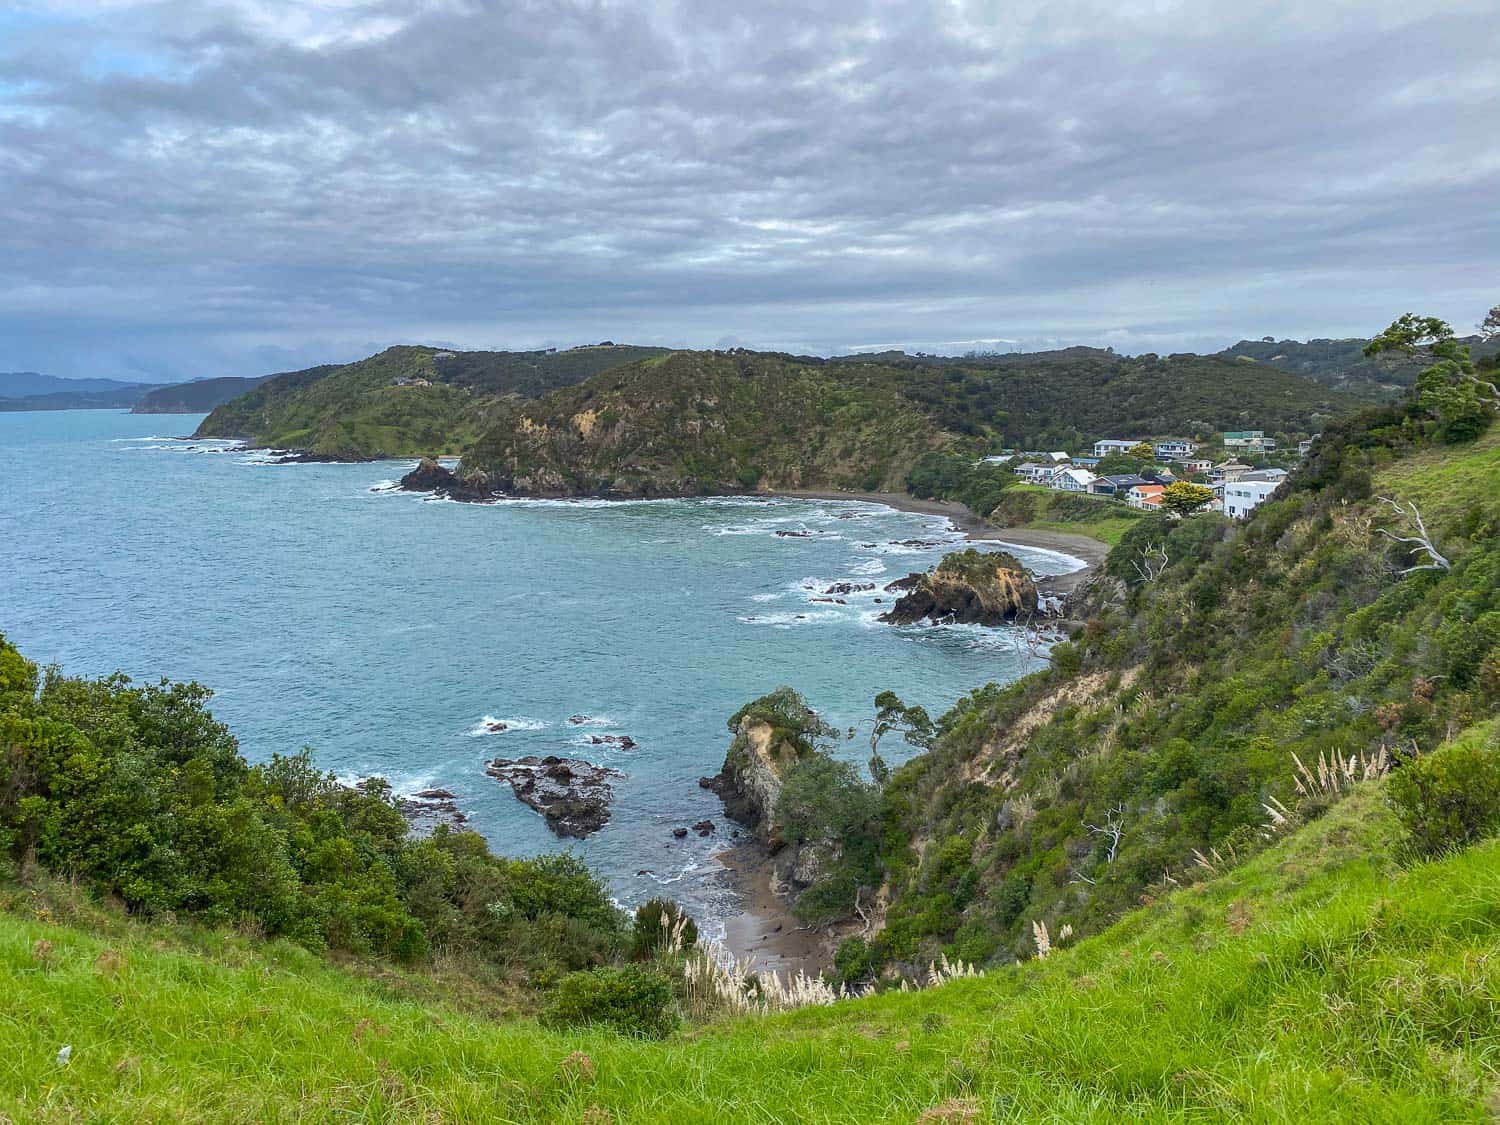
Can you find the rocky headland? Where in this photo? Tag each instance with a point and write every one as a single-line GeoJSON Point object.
{"type": "Point", "coordinates": [969, 587]}
{"type": "Point", "coordinates": [429, 476]}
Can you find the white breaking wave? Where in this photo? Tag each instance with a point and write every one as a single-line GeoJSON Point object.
{"type": "Point", "coordinates": [787, 620]}
{"type": "Point", "coordinates": [489, 725]}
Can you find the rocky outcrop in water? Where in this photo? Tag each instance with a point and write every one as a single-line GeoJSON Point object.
{"type": "Point", "coordinates": [429, 476]}
{"type": "Point", "coordinates": [968, 587]}
{"type": "Point", "coordinates": [573, 796]}
{"type": "Point", "coordinates": [427, 808]}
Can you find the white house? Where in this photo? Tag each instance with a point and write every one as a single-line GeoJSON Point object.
{"type": "Point", "coordinates": [1058, 456]}
{"type": "Point", "coordinates": [1146, 496]}
{"type": "Point", "coordinates": [1072, 480]}
{"type": "Point", "coordinates": [1175, 450]}
{"type": "Point", "coordinates": [1195, 464]}
{"type": "Point", "coordinates": [1305, 447]}
{"type": "Point", "coordinates": [1115, 445]}
{"type": "Point", "coordinates": [1242, 497]}
{"type": "Point", "coordinates": [1034, 472]}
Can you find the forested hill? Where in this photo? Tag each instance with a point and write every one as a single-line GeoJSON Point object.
{"type": "Point", "coordinates": [734, 421]}
{"type": "Point", "coordinates": [1343, 364]}
{"type": "Point", "coordinates": [1062, 399]}
{"type": "Point", "coordinates": [198, 397]}
{"type": "Point", "coordinates": [715, 422]}
{"type": "Point", "coordinates": [405, 401]}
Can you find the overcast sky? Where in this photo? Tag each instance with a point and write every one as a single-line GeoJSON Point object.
{"type": "Point", "coordinates": [241, 186]}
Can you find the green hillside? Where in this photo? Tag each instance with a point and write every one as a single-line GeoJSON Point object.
{"type": "Point", "coordinates": [700, 422]}
{"type": "Point", "coordinates": [711, 422]}
{"type": "Point", "coordinates": [1220, 664]}
{"type": "Point", "coordinates": [1066, 399]}
{"type": "Point", "coordinates": [1343, 364]}
{"type": "Point", "coordinates": [405, 401]}
{"type": "Point", "coordinates": [1323, 980]}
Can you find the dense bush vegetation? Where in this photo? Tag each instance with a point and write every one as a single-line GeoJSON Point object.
{"type": "Point", "coordinates": [631, 1000]}
{"type": "Point", "coordinates": [1451, 797]}
{"type": "Point", "coordinates": [139, 792]}
{"type": "Point", "coordinates": [1220, 666]}
{"type": "Point", "coordinates": [358, 410]}
{"type": "Point", "coordinates": [959, 476]}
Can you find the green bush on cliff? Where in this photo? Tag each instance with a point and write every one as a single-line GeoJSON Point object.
{"type": "Point", "coordinates": [139, 793]}
{"type": "Point", "coordinates": [788, 716]}
{"type": "Point", "coordinates": [1450, 798]}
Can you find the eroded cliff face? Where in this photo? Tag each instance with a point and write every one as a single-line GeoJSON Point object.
{"type": "Point", "coordinates": [754, 770]}
{"type": "Point", "coordinates": [969, 587]}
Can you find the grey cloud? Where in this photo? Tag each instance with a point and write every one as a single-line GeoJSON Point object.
{"type": "Point", "coordinates": [240, 184]}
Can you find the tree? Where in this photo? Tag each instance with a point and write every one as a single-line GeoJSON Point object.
{"type": "Point", "coordinates": [1449, 389]}
{"type": "Point", "coordinates": [1183, 498]}
{"type": "Point", "coordinates": [1409, 332]}
{"type": "Point", "coordinates": [893, 715]}
{"type": "Point", "coordinates": [1118, 464]}
{"type": "Point", "coordinates": [1489, 327]}
{"type": "Point", "coordinates": [1142, 451]}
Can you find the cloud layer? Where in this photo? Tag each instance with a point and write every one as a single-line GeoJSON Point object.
{"type": "Point", "coordinates": [237, 186]}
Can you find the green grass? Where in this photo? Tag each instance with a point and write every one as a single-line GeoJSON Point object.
{"type": "Point", "coordinates": [1445, 480]}
{"type": "Point", "coordinates": [1318, 982]}
{"type": "Point", "coordinates": [1098, 517]}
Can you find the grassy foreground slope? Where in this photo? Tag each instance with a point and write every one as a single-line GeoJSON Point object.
{"type": "Point", "coordinates": [405, 401]}
{"type": "Point", "coordinates": [1320, 981]}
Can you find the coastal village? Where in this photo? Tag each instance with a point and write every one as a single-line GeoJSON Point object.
{"type": "Point", "coordinates": [1241, 467]}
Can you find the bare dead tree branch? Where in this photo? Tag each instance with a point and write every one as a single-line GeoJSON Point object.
{"type": "Point", "coordinates": [1112, 829]}
{"type": "Point", "coordinates": [1422, 541]}
{"type": "Point", "coordinates": [1152, 562]}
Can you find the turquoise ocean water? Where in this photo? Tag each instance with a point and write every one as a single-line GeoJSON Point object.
{"type": "Point", "coordinates": [381, 628]}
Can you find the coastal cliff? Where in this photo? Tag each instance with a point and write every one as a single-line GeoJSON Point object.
{"type": "Point", "coordinates": [775, 749]}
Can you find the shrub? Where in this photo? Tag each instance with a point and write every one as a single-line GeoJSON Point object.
{"type": "Point", "coordinates": [853, 961]}
{"type": "Point", "coordinates": [661, 924]}
{"type": "Point", "coordinates": [632, 1001]}
{"type": "Point", "coordinates": [1451, 797]}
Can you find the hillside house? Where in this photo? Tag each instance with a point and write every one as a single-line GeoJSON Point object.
{"type": "Point", "coordinates": [1035, 472]}
{"type": "Point", "coordinates": [1072, 480]}
{"type": "Point", "coordinates": [1195, 464]}
{"type": "Point", "coordinates": [1116, 485]}
{"type": "Point", "coordinates": [1252, 442]}
{"type": "Point", "coordinates": [1174, 449]}
{"type": "Point", "coordinates": [1109, 446]}
{"type": "Point", "coordinates": [1227, 471]}
{"type": "Point", "coordinates": [1242, 497]}
{"type": "Point", "coordinates": [1146, 496]}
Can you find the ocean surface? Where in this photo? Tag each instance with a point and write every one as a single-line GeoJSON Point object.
{"type": "Point", "coordinates": [383, 629]}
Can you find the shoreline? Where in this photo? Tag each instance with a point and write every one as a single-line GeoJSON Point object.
{"type": "Point", "coordinates": [765, 929]}
{"type": "Point", "coordinates": [1088, 553]}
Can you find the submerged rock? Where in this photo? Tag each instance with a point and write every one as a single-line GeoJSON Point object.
{"type": "Point", "coordinates": [623, 741]}
{"type": "Point", "coordinates": [573, 796]}
{"type": "Point", "coordinates": [849, 588]}
{"type": "Point", "coordinates": [429, 476]}
{"type": "Point", "coordinates": [305, 457]}
{"type": "Point", "coordinates": [970, 587]}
